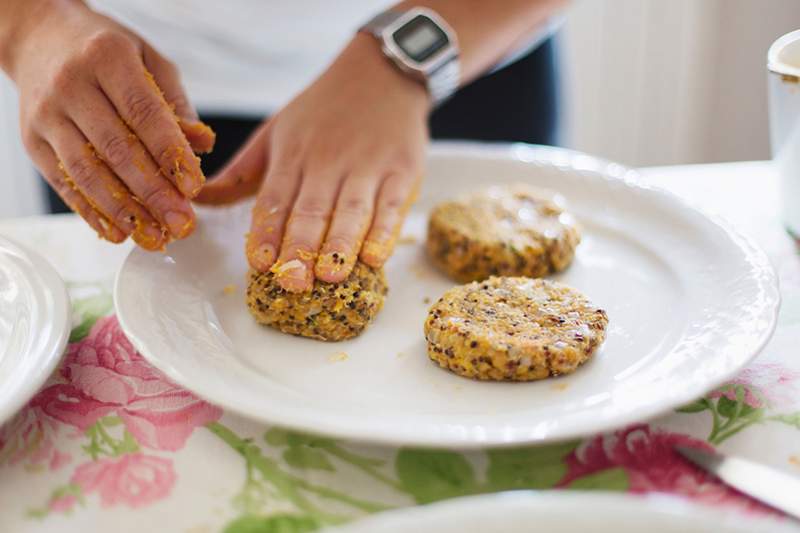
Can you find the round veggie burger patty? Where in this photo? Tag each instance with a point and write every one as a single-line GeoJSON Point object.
{"type": "Point", "coordinates": [329, 312]}
{"type": "Point", "coordinates": [514, 230]}
{"type": "Point", "coordinates": [513, 328]}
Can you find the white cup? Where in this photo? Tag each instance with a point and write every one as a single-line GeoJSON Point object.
{"type": "Point", "coordinates": [783, 63]}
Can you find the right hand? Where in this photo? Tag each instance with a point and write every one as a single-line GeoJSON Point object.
{"type": "Point", "coordinates": [106, 121]}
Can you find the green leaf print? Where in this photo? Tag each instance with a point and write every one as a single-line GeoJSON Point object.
{"type": "Point", "coordinates": [282, 523]}
{"type": "Point", "coordinates": [610, 479]}
{"type": "Point", "coordinates": [87, 311]}
{"type": "Point", "coordinates": [791, 419]}
{"type": "Point", "coordinates": [695, 407]}
{"type": "Point", "coordinates": [534, 467]}
{"type": "Point", "coordinates": [430, 475]}
{"type": "Point", "coordinates": [305, 457]}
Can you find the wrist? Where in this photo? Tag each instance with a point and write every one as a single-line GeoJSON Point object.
{"type": "Point", "coordinates": [365, 52]}
{"type": "Point", "coordinates": [19, 25]}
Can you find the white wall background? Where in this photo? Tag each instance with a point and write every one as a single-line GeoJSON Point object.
{"type": "Point", "coordinates": [647, 82]}
{"type": "Point", "coordinates": [653, 82]}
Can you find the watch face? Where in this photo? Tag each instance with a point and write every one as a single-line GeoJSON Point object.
{"type": "Point", "coordinates": [420, 38]}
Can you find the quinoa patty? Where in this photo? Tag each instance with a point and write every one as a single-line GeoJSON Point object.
{"type": "Point", "coordinates": [514, 230]}
{"type": "Point", "coordinates": [516, 329]}
{"type": "Point", "coordinates": [329, 312]}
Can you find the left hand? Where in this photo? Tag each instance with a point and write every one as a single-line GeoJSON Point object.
{"type": "Point", "coordinates": [336, 170]}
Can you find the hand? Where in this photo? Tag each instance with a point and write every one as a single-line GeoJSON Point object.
{"type": "Point", "coordinates": [337, 167]}
{"type": "Point", "coordinates": [106, 121]}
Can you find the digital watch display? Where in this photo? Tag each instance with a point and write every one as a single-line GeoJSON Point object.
{"type": "Point", "coordinates": [422, 45]}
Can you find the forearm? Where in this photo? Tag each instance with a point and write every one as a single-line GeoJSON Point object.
{"type": "Point", "coordinates": [18, 19]}
{"type": "Point", "coordinates": [489, 30]}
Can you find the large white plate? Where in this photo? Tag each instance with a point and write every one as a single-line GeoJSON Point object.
{"type": "Point", "coordinates": [34, 324]}
{"type": "Point", "coordinates": [689, 301]}
{"type": "Point", "coordinates": [563, 512]}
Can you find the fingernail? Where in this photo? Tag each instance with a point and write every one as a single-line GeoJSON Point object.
{"type": "Point", "coordinates": [331, 264]}
{"type": "Point", "coordinates": [292, 275]}
{"type": "Point", "coordinates": [149, 236]}
{"type": "Point", "coordinates": [179, 224]}
{"type": "Point", "coordinates": [263, 257]}
{"type": "Point", "coordinates": [375, 251]}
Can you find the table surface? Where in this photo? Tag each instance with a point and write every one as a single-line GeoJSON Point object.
{"type": "Point", "coordinates": [110, 444]}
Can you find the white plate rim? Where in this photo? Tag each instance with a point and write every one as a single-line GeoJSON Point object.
{"type": "Point", "coordinates": [612, 173]}
{"type": "Point", "coordinates": [542, 502]}
{"type": "Point", "coordinates": [41, 274]}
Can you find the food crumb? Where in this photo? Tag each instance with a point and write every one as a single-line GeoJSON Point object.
{"type": "Point", "coordinates": [338, 357]}
{"type": "Point", "coordinates": [560, 386]}
{"type": "Point", "coordinates": [229, 289]}
{"type": "Point", "coordinates": [407, 239]}
{"type": "Point", "coordinates": [426, 300]}
{"type": "Point", "coordinates": [795, 460]}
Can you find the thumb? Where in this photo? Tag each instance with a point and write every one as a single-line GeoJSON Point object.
{"type": "Point", "coordinates": [242, 176]}
{"type": "Point", "coordinates": [167, 79]}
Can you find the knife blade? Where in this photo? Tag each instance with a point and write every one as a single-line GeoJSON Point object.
{"type": "Point", "coordinates": [765, 484]}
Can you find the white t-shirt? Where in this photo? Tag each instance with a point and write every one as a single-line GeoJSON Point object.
{"type": "Point", "coordinates": [245, 56]}
{"type": "Point", "coordinates": [250, 57]}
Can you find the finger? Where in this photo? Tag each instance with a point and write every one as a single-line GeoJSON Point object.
{"type": "Point", "coordinates": [144, 110]}
{"type": "Point", "coordinates": [397, 194]}
{"type": "Point", "coordinates": [166, 79]}
{"type": "Point", "coordinates": [242, 176]}
{"type": "Point", "coordinates": [131, 162]}
{"type": "Point", "coordinates": [350, 223]}
{"type": "Point", "coordinates": [305, 229]}
{"type": "Point", "coordinates": [270, 211]}
{"type": "Point", "coordinates": [46, 161]}
{"type": "Point", "coordinates": [103, 190]}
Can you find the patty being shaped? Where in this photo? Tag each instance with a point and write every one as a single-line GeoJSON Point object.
{"type": "Point", "coordinates": [328, 312]}
{"type": "Point", "coordinates": [514, 230]}
{"type": "Point", "coordinates": [513, 329]}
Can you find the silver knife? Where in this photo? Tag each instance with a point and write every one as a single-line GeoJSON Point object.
{"type": "Point", "coordinates": [765, 484]}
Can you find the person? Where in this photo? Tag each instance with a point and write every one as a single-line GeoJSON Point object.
{"type": "Point", "coordinates": [106, 120]}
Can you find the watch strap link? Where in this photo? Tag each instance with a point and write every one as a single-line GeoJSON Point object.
{"type": "Point", "coordinates": [376, 24]}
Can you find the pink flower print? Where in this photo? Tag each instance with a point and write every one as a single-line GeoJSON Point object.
{"type": "Point", "coordinates": [105, 368]}
{"type": "Point", "coordinates": [69, 405]}
{"type": "Point", "coordinates": [652, 465]}
{"type": "Point", "coordinates": [166, 421]}
{"type": "Point", "coordinates": [31, 436]}
{"type": "Point", "coordinates": [63, 504]}
{"type": "Point", "coordinates": [763, 383]}
{"type": "Point", "coordinates": [134, 480]}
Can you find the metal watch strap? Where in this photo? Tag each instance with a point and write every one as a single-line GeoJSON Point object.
{"type": "Point", "coordinates": [376, 24]}
{"type": "Point", "coordinates": [441, 82]}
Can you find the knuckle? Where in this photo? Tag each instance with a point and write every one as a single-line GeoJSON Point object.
{"type": "Point", "coordinates": [83, 172]}
{"type": "Point", "coordinates": [30, 138]}
{"type": "Point", "coordinates": [392, 202]}
{"type": "Point", "coordinates": [355, 205]}
{"type": "Point", "coordinates": [142, 107]}
{"type": "Point", "coordinates": [64, 77]}
{"type": "Point", "coordinates": [116, 151]}
{"type": "Point", "coordinates": [158, 198]}
{"type": "Point", "coordinates": [104, 42]}
{"type": "Point", "coordinates": [311, 208]}
{"type": "Point", "coordinates": [272, 204]}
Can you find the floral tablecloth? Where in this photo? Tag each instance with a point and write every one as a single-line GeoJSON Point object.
{"type": "Point", "coordinates": [109, 444]}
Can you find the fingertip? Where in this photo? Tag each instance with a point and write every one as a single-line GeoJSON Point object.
{"type": "Point", "coordinates": [261, 256]}
{"type": "Point", "coordinates": [375, 253]}
{"type": "Point", "coordinates": [334, 267]}
{"type": "Point", "coordinates": [199, 134]}
{"type": "Point", "coordinates": [294, 275]}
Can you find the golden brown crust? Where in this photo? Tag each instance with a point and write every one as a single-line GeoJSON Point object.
{"type": "Point", "coordinates": [514, 230]}
{"type": "Point", "coordinates": [516, 329]}
{"type": "Point", "coordinates": [329, 312]}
